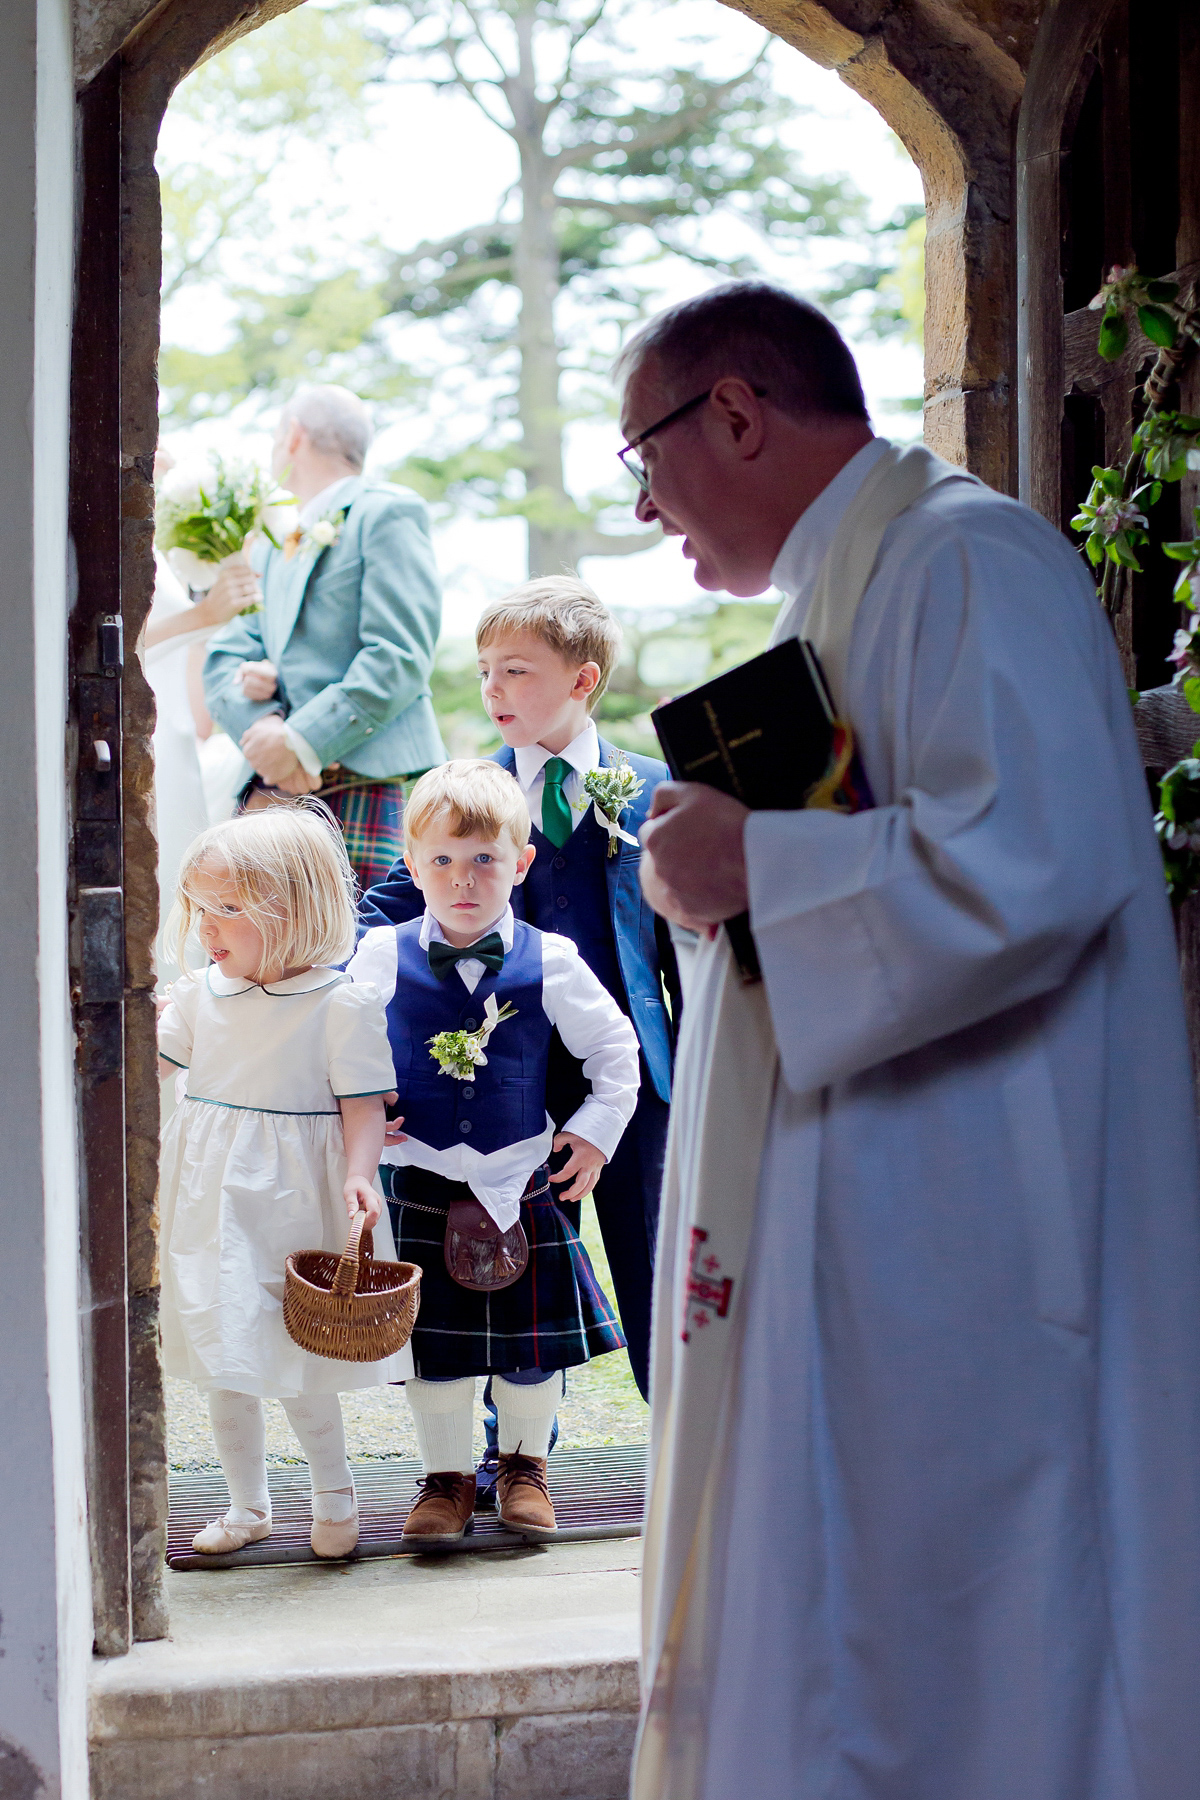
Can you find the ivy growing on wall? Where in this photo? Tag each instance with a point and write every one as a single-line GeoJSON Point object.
{"type": "Point", "coordinates": [1114, 521]}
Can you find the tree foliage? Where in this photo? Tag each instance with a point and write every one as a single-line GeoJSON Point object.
{"type": "Point", "coordinates": [620, 165]}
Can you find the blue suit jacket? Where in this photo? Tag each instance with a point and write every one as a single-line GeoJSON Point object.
{"type": "Point", "coordinates": [352, 632]}
{"type": "Point", "coordinates": [645, 954]}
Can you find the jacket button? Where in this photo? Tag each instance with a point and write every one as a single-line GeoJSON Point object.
{"type": "Point", "coordinates": [464, 1125]}
{"type": "Point", "coordinates": [468, 1090]}
{"type": "Point", "coordinates": [354, 718]}
{"type": "Point", "coordinates": [470, 1024]}
{"type": "Point", "coordinates": [560, 862]}
{"type": "Point", "coordinates": [562, 902]}
{"type": "Point", "coordinates": [370, 729]}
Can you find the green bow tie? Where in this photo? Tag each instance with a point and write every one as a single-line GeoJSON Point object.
{"type": "Point", "coordinates": [556, 814]}
{"type": "Point", "coordinates": [488, 950]}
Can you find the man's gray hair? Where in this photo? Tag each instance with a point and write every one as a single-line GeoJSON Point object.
{"type": "Point", "coordinates": [337, 421]}
{"type": "Point", "coordinates": [780, 344]}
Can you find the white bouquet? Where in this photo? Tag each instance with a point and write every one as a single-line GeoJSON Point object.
{"type": "Point", "coordinates": [207, 517]}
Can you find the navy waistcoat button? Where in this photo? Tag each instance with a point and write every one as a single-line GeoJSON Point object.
{"type": "Point", "coordinates": [470, 1024]}
{"type": "Point", "coordinates": [560, 862]}
{"type": "Point", "coordinates": [464, 1125]}
{"type": "Point", "coordinates": [563, 901]}
{"type": "Point", "coordinates": [468, 1090]}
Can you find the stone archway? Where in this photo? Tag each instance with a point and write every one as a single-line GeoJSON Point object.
{"type": "Point", "coordinates": [948, 83]}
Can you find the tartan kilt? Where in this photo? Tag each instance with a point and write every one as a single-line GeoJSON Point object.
{"type": "Point", "coordinates": [555, 1317]}
{"type": "Point", "coordinates": [371, 815]}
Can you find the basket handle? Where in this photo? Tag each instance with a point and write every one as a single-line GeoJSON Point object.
{"type": "Point", "coordinates": [357, 1244]}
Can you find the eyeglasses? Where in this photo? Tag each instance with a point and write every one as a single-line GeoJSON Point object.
{"type": "Point", "coordinates": [634, 464]}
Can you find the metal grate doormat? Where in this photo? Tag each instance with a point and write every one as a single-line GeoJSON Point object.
{"type": "Point", "coordinates": [597, 1494]}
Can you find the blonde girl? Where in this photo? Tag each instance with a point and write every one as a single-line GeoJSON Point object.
{"type": "Point", "coordinates": [276, 1142]}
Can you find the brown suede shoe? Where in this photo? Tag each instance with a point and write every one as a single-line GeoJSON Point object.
{"type": "Point", "coordinates": [442, 1512]}
{"type": "Point", "coordinates": [524, 1497]}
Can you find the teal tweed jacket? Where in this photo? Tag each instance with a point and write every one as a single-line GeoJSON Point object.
{"type": "Point", "coordinates": [352, 631]}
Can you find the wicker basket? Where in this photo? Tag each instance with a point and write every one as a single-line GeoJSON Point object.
{"type": "Point", "coordinates": [350, 1307]}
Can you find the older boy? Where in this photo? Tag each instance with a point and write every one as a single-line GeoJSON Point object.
{"type": "Point", "coordinates": [482, 1129]}
{"type": "Point", "coordinates": [546, 652]}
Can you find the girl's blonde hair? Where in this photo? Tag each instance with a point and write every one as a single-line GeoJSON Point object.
{"type": "Point", "coordinates": [476, 798]}
{"type": "Point", "coordinates": [292, 878]}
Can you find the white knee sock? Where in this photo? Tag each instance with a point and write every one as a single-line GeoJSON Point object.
{"type": "Point", "coordinates": [240, 1438]}
{"type": "Point", "coordinates": [316, 1420]}
{"type": "Point", "coordinates": [525, 1413]}
{"type": "Point", "coordinates": [443, 1414]}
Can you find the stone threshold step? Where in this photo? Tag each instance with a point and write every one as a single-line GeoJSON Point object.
{"type": "Point", "coordinates": [508, 1677]}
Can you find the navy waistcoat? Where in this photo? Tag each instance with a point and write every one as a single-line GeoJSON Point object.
{"type": "Point", "coordinates": [506, 1102]}
{"type": "Point", "coordinates": [565, 891]}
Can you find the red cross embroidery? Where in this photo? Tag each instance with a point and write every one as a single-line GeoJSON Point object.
{"type": "Point", "coordinates": [708, 1293]}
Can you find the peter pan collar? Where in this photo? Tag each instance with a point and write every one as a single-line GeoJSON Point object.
{"type": "Point", "coordinates": [224, 988]}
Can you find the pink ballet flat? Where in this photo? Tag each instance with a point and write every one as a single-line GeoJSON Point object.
{"type": "Point", "coordinates": [334, 1537]}
{"type": "Point", "coordinates": [221, 1539]}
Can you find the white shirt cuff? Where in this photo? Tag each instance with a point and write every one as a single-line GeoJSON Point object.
{"type": "Point", "coordinates": [600, 1124]}
{"type": "Point", "coordinates": [300, 748]}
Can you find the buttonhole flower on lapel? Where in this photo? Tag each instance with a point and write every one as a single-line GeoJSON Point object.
{"type": "Point", "coordinates": [612, 791]}
{"type": "Point", "coordinates": [321, 535]}
{"type": "Point", "coordinates": [460, 1053]}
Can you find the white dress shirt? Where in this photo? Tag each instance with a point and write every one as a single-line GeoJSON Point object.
{"type": "Point", "coordinates": [591, 1025]}
{"type": "Point", "coordinates": [582, 753]}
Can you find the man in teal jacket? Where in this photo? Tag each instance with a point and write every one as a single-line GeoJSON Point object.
{"type": "Point", "coordinates": [326, 689]}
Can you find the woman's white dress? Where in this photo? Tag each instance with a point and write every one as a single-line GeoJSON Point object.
{"type": "Point", "coordinates": [179, 805]}
{"type": "Point", "coordinates": [253, 1164]}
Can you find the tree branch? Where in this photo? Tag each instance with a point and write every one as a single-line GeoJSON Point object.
{"type": "Point", "coordinates": [668, 130]}
{"type": "Point", "coordinates": [625, 543]}
{"type": "Point", "coordinates": [482, 37]}
{"type": "Point", "coordinates": [577, 37]}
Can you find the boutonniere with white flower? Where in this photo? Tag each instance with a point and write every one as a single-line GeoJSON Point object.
{"type": "Point", "coordinates": [611, 792]}
{"type": "Point", "coordinates": [460, 1053]}
{"type": "Point", "coordinates": [321, 535]}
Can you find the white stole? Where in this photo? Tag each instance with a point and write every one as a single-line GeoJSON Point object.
{"type": "Point", "coordinates": [724, 1081]}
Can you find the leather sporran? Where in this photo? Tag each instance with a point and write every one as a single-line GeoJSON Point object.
{"type": "Point", "coordinates": [478, 1254]}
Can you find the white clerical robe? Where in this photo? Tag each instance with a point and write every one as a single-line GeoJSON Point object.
{"type": "Point", "coordinates": [958, 1550]}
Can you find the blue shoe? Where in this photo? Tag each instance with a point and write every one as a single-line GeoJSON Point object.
{"type": "Point", "coordinates": [486, 1476]}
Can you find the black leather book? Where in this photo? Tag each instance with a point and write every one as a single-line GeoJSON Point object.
{"type": "Point", "coordinates": [764, 733]}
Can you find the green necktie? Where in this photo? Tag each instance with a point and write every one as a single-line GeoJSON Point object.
{"type": "Point", "coordinates": [556, 814]}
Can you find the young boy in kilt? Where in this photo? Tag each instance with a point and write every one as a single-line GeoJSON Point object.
{"type": "Point", "coordinates": [546, 652]}
{"type": "Point", "coordinates": [473, 1108]}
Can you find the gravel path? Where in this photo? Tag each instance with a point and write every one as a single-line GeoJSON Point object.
{"type": "Point", "coordinates": [602, 1406]}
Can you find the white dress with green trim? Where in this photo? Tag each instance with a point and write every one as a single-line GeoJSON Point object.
{"type": "Point", "coordinates": [253, 1164]}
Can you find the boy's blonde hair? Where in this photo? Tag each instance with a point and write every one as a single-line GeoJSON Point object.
{"type": "Point", "coordinates": [475, 798]}
{"type": "Point", "coordinates": [565, 613]}
{"type": "Point", "coordinates": [292, 877]}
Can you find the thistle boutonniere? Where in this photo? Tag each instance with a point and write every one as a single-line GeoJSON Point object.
{"type": "Point", "coordinates": [322, 534]}
{"type": "Point", "coordinates": [460, 1053]}
{"type": "Point", "coordinates": [612, 791]}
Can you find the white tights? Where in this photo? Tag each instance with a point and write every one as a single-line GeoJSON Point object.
{"type": "Point", "coordinates": [240, 1438]}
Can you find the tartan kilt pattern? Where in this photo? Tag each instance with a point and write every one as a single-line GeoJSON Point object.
{"type": "Point", "coordinates": [371, 815]}
{"type": "Point", "coordinates": [556, 1316]}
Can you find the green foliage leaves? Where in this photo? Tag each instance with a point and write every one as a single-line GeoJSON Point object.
{"type": "Point", "coordinates": [1126, 291]}
{"type": "Point", "coordinates": [329, 330]}
{"type": "Point", "coordinates": [307, 79]}
{"type": "Point", "coordinates": [1114, 524]}
{"type": "Point", "coordinates": [1177, 826]}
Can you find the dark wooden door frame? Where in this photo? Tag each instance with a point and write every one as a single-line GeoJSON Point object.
{"type": "Point", "coordinates": [1067, 29]}
{"type": "Point", "coordinates": [96, 865]}
{"type": "Point", "coordinates": [114, 894]}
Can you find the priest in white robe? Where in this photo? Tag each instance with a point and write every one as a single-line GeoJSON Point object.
{"type": "Point", "coordinates": [924, 1520]}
